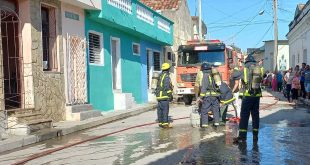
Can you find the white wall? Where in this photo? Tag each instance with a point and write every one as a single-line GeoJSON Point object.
{"type": "Point", "coordinates": [299, 41]}
{"type": "Point", "coordinates": [73, 27]}
{"type": "Point", "coordinates": [283, 55]}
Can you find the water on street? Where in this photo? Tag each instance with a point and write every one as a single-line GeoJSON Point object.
{"type": "Point", "coordinates": [283, 139]}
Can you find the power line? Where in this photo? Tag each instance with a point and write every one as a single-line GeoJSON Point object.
{"type": "Point", "coordinates": [264, 35]}
{"type": "Point", "coordinates": [233, 25]}
{"type": "Point", "coordinates": [239, 11]}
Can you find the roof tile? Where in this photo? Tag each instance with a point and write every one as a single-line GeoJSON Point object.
{"type": "Point", "coordinates": [162, 4]}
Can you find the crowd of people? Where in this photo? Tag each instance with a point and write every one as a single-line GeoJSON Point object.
{"type": "Point", "coordinates": [294, 82]}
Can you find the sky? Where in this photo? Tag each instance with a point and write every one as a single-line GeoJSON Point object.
{"type": "Point", "coordinates": [238, 21]}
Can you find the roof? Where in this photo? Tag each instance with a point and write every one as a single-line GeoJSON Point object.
{"type": "Point", "coordinates": [162, 4]}
{"type": "Point", "coordinates": [299, 8]}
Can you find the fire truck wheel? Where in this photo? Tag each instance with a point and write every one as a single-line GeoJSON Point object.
{"type": "Point", "coordinates": [187, 99]}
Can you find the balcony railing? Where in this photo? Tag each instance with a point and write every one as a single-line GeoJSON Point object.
{"type": "Point", "coordinates": [124, 5]}
{"type": "Point", "coordinates": [142, 13]}
{"type": "Point", "coordinates": [145, 15]}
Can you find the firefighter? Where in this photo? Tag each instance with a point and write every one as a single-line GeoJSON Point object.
{"type": "Point", "coordinates": [226, 98]}
{"type": "Point", "coordinates": [164, 96]}
{"type": "Point", "coordinates": [261, 65]}
{"type": "Point", "coordinates": [209, 95]}
{"type": "Point", "coordinates": [251, 81]}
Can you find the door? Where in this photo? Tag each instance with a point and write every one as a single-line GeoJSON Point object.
{"type": "Point", "coordinates": [12, 59]}
{"type": "Point", "coordinates": [116, 64]}
{"type": "Point", "coordinates": [149, 67]}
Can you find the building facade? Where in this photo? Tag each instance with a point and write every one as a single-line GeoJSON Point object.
{"type": "Point", "coordinates": [125, 43]}
{"type": "Point", "coordinates": [282, 61]}
{"type": "Point", "coordinates": [185, 28]}
{"type": "Point", "coordinates": [299, 35]}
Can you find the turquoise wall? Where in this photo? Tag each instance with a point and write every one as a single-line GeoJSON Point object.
{"type": "Point", "coordinates": [133, 68]}
{"type": "Point", "coordinates": [124, 21]}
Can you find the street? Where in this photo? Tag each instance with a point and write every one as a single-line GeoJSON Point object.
{"type": "Point", "coordinates": [283, 139]}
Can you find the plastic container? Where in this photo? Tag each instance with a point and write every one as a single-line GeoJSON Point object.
{"type": "Point", "coordinates": [195, 117]}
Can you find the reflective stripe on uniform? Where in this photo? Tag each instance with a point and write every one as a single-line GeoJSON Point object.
{"type": "Point", "coordinates": [243, 130]}
{"type": "Point", "coordinates": [162, 80]}
{"type": "Point", "coordinates": [170, 91]}
{"type": "Point", "coordinates": [228, 101]}
{"type": "Point", "coordinates": [256, 130]}
{"type": "Point", "coordinates": [245, 73]}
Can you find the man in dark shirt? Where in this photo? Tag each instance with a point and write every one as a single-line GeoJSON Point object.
{"type": "Point", "coordinates": [234, 80]}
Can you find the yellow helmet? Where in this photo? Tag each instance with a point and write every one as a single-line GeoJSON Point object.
{"type": "Point", "coordinates": [165, 66]}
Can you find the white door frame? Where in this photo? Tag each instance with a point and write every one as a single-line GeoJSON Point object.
{"type": "Point", "coordinates": [118, 87]}
{"type": "Point", "coordinates": [151, 63]}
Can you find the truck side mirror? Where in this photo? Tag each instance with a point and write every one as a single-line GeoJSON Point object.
{"type": "Point", "coordinates": [173, 58]}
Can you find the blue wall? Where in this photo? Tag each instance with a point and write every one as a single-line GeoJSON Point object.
{"type": "Point", "coordinates": [134, 76]}
{"type": "Point", "coordinates": [144, 46]}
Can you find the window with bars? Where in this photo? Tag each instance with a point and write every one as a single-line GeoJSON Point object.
{"type": "Point", "coordinates": [136, 49]}
{"type": "Point", "coordinates": [49, 44]}
{"type": "Point", "coordinates": [95, 48]}
{"type": "Point", "coordinates": [305, 56]}
{"type": "Point", "coordinates": [156, 58]}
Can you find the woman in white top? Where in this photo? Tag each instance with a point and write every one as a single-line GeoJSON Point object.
{"type": "Point", "coordinates": [288, 78]}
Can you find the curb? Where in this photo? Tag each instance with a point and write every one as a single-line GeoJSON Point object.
{"type": "Point", "coordinates": [68, 127]}
{"type": "Point", "coordinates": [305, 101]}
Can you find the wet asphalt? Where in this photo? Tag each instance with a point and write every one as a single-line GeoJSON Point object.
{"type": "Point", "coordinates": [283, 139]}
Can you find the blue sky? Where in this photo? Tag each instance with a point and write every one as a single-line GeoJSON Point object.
{"type": "Point", "coordinates": [238, 22]}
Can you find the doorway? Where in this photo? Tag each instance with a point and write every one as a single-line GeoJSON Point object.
{"type": "Point", "coordinates": [116, 64]}
{"type": "Point", "coordinates": [12, 60]}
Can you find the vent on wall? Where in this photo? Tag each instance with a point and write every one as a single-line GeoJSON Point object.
{"type": "Point", "coordinates": [95, 48]}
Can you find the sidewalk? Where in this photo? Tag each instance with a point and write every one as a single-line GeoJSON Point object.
{"type": "Point", "coordinates": [280, 96]}
{"type": "Point", "coordinates": [68, 127]}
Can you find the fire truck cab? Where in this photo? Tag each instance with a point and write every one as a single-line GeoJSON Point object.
{"type": "Point", "coordinates": [190, 58]}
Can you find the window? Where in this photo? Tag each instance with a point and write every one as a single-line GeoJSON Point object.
{"type": "Point", "coordinates": [169, 56]}
{"type": "Point", "coordinates": [305, 56]}
{"type": "Point", "coordinates": [136, 49]}
{"type": "Point", "coordinates": [48, 18]}
{"type": "Point", "coordinates": [156, 58]}
{"type": "Point", "coordinates": [95, 48]}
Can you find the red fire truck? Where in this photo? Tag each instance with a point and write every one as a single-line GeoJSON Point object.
{"type": "Point", "coordinates": [190, 58]}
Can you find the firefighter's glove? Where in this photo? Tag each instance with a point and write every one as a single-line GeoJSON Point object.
{"type": "Point", "coordinates": [198, 101]}
{"type": "Point", "coordinates": [170, 97]}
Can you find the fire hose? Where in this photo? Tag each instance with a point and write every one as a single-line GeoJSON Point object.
{"type": "Point", "coordinates": [47, 152]}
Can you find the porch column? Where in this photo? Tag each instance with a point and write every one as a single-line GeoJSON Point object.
{"type": "Point", "coordinates": [26, 53]}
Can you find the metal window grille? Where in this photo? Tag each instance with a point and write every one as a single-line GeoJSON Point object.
{"type": "Point", "coordinates": [145, 15]}
{"type": "Point", "coordinates": [124, 5]}
{"type": "Point", "coordinates": [136, 49]}
{"type": "Point", "coordinates": [94, 46]}
{"type": "Point", "coordinates": [76, 70]}
{"type": "Point", "coordinates": [156, 61]}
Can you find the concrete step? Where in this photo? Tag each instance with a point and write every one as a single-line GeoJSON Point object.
{"type": "Point", "coordinates": [79, 116]}
{"type": "Point", "coordinates": [30, 126]}
{"type": "Point", "coordinates": [25, 117]}
{"type": "Point", "coordinates": [18, 111]}
{"type": "Point", "coordinates": [78, 108]}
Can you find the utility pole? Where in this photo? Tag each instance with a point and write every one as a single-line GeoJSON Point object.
{"type": "Point", "coordinates": [275, 11]}
{"type": "Point", "coordinates": [200, 20]}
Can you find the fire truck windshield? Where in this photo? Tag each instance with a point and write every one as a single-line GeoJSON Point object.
{"type": "Point", "coordinates": [196, 58]}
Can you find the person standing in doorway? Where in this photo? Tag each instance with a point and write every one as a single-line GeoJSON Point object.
{"type": "Point", "coordinates": [164, 96]}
